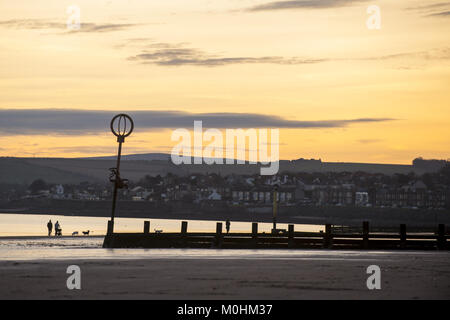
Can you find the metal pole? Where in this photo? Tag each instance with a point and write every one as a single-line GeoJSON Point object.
{"type": "Point", "coordinates": [113, 211]}
{"type": "Point", "coordinates": [274, 208]}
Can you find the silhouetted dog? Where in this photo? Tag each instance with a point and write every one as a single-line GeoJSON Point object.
{"type": "Point", "coordinates": [86, 233]}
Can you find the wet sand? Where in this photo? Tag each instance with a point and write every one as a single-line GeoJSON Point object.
{"type": "Point", "coordinates": [403, 276]}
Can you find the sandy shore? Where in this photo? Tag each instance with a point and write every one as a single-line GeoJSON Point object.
{"type": "Point", "coordinates": [403, 276]}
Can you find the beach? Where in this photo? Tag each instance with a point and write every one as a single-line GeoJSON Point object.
{"type": "Point", "coordinates": [222, 274]}
{"type": "Point", "coordinates": [34, 267]}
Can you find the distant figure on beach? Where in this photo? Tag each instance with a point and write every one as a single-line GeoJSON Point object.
{"type": "Point", "coordinates": [227, 224]}
{"type": "Point", "coordinates": [49, 227]}
{"type": "Point", "coordinates": [57, 229]}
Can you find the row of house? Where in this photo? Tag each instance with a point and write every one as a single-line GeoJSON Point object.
{"type": "Point", "coordinates": [414, 195]}
{"type": "Point", "coordinates": [265, 195]}
{"type": "Point", "coordinates": [242, 190]}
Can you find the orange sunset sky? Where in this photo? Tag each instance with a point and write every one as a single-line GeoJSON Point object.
{"type": "Point", "coordinates": [338, 90]}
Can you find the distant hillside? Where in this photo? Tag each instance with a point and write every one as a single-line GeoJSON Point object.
{"type": "Point", "coordinates": [24, 171]}
{"type": "Point", "coordinates": [141, 156]}
{"type": "Point", "coordinates": [134, 167]}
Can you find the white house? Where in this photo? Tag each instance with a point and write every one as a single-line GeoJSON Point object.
{"type": "Point", "coordinates": [214, 196]}
{"type": "Point", "coordinates": [361, 199]}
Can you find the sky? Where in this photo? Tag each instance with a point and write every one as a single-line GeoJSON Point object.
{"type": "Point", "coordinates": [336, 89]}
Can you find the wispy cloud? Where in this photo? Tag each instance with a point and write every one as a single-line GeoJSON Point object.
{"type": "Point", "coordinates": [164, 54]}
{"type": "Point", "coordinates": [178, 54]}
{"type": "Point", "coordinates": [94, 150]}
{"type": "Point", "coordinates": [368, 141]}
{"type": "Point", "coordinates": [303, 4]}
{"type": "Point", "coordinates": [432, 54]}
{"type": "Point", "coordinates": [432, 6]}
{"type": "Point", "coordinates": [85, 27]}
{"type": "Point", "coordinates": [76, 122]}
{"type": "Point", "coordinates": [440, 9]}
{"type": "Point", "coordinates": [440, 14]}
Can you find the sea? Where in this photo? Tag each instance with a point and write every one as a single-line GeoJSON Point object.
{"type": "Point", "coordinates": [25, 237]}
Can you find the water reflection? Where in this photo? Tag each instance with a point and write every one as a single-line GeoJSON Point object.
{"type": "Point", "coordinates": [36, 225]}
{"type": "Point", "coordinates": [24, 237]}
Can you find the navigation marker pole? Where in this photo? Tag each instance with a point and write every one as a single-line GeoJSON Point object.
{"type": "Point", "coordinates": [119, 129]}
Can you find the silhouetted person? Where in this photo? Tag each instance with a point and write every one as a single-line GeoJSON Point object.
{"type": "Point", "coordinates": [50, 227]}
{"type": "Point", "coordinates": [57, 229]}
{"type": "Point", "coordinates": [227, 224]}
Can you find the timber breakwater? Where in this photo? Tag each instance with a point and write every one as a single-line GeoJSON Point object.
{"type": "Point", "coordinates": [332, 238]}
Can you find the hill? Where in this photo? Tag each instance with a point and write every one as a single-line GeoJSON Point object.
{"type": "Point", "coordinates": [24, 171]}
{"type": "Point", "coordinates": [134, 167]}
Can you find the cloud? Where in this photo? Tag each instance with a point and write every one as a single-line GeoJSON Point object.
{"type": "Point", "coordinates": [83, 149]}
{"type": "Point", "coordinates": [367, 141]}
{"type": "Point", "coordinates": [429, 10]}
{"type": "Point", "coordinates": [303, 4]}
{"type": "Point", "coordinates": [164, 54]}
{"type": "Point", "coordinates": [432, 54]}
{"type": "Point", "coordinates": [440, 14]}
{"type": "Point", "coordinates": [178, 54]}
{"type": "Point", "coordinates": [85, 27]}
{"type": "Point", "coordinates": [76, 122]}
{"type": "Point", "coordinates": [93, 150]}
{"type": "Point", "coordinates": [430, 6]}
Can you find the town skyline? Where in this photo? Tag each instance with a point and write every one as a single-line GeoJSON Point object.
{"type": "Point", "coordinates": [161, 156]}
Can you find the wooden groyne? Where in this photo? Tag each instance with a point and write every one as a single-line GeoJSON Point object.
{"type": "Point", "coordinates": [332, 238]}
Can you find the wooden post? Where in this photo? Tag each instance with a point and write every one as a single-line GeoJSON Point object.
{"type": "Point", "coordinates": [218, 242]}
{"type": "Point", "coordinates": [254, 230]}
{"type": "Point", "coordinates": [146, 227]}
{"type": "Point", "coordinates": [184, 226]}
{"type": "Point", "coordinates": [255, 233]}
{"type": "Point", "coordinates": [327, 237]}
{"type": "Point", "coordinates": [365, 235]}
{"type": "Point", "coordinates": [275, 208]}
{"type": "Point", "coordinates": [441, 242]}
{"type": "Point", "coordinates": [110, 227]}
{"type": "Point", "coordinates": [290, 235]}
{"type": "Point", "coordinates": [402, 236]}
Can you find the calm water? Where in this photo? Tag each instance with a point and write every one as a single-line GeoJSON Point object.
{"type": "Point", "coordinates": [36, 225]}
{"type": "Point", "coordinates": [24, 238]}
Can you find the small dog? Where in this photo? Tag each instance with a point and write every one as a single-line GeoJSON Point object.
{"type": "Point", "coordinates": [86, 233]}
{"type": "Point", "coordinates": [158, 231]}
{"type": "Point", "coordinates": [75, 233]}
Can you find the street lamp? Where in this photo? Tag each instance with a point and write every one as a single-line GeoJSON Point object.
{"type": "Point", "coordinates": [275, 208]}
